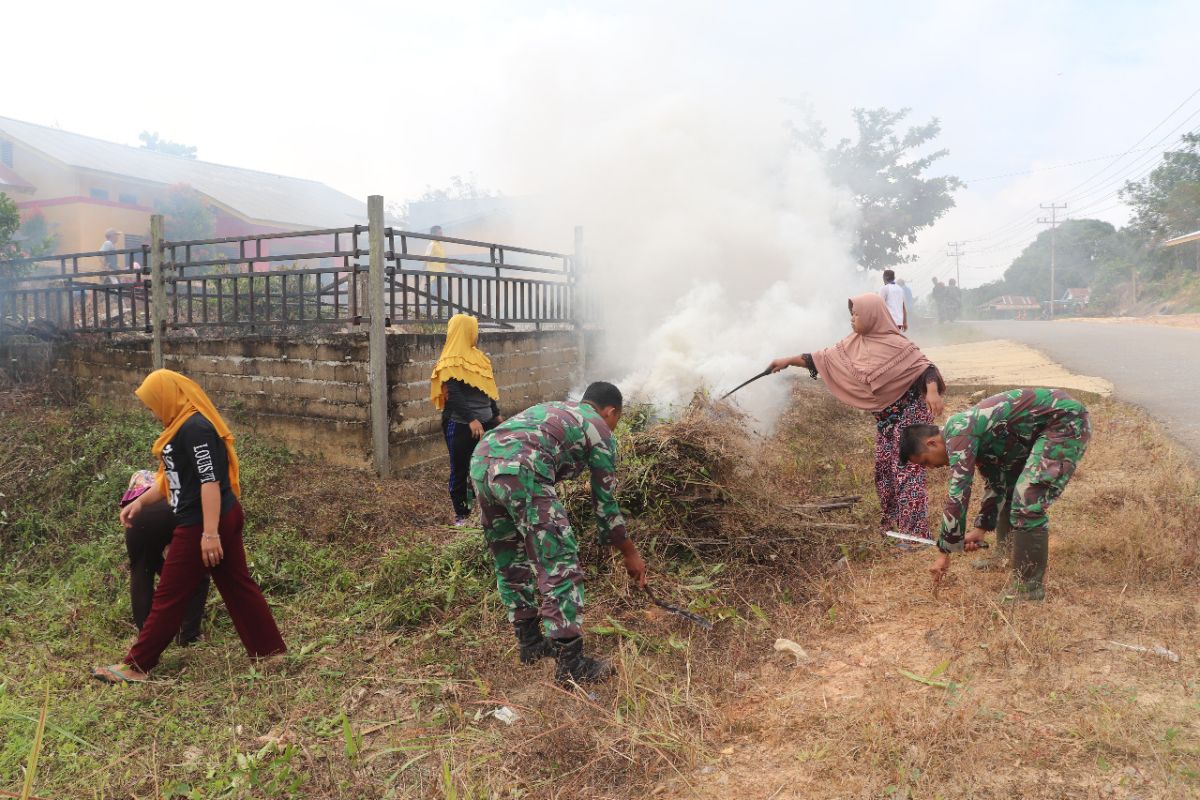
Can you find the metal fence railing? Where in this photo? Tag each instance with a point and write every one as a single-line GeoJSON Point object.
{"type": "Point", "coordinates": [277, 281]}
{"type": "Point", "coordinates": [289, 281]}
{"type": "Point", "coordinates": [501, 285]}
{"type": "Point", "coordinates": [371, 276]}
{"type": "Point", "coordinates": [97, 291]}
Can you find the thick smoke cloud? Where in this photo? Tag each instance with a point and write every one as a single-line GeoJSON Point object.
{"type": "Point", "coordinates": [714, 243]}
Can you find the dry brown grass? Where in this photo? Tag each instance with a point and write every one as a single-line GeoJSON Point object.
{"type": "Point", "coordinates": [1040, 706]}
{"type": "Point", "coordinates": [1039, 703]}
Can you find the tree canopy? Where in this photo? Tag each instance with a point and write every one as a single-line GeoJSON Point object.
{"type": "Point", "coordinates": [1080, 247]}
{"type": "Point", "coordinates": [185, 215]}
{"type": "Point", "coordinates": [887, 174]}
{"type": "Point", "coordinates": [10, 222]}
{"type": "Point", "coordinates": [460, 188]}
{"type": "Point", "coordinates": [151, 141]}
{"type": "Point", "coordinates": [1166, 202]}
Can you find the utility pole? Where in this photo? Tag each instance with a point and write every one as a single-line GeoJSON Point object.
{"type": "Point", "coordinates": [956, 254]}
{"type": "Point", "coordinates": [1052, 221]}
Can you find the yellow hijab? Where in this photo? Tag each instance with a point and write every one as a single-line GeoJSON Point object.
{"type": "Point", "coordinates": [173, 399]}
{"type": "Point", "coordinates": [463, 361]}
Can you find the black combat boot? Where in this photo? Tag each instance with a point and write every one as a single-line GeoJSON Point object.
{"type": "Point", "coordinates": [534, 646]}
{"type": "Point", "coordinates": [573, 665]}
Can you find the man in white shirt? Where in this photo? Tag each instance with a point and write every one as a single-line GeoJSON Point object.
{"type": "Point", "coordinates": [893, 298]}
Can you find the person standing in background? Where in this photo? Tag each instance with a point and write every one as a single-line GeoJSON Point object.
{"type": "Point", "coordinates": [437, 285]}
{"type": "Point", "coordinates": [937, 296]}
{"type": "Point", "coordinates": [893, 298]}
{"type": "Point", "coordinates": [910, 302]}
{"type": "Point", "coordinates": [464, 389]}
{"type": "Point", "coordinates": [953, 301]}
{"type": "Point", "coordinates": [110, 244]}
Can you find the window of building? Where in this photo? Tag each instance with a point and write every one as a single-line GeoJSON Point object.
{"type": "Point", "coordinates": [127, 198]}
{"type": "Point", "coordinates": [6, 149]}
{"type": "Point", "coordinates": [99, 194]}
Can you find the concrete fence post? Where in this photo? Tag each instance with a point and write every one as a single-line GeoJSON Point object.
{"type": "Point", "coordinates": [578, 312]}
{"type": "Point", "coordinates": [377, 377]}
{"type": "Point", "coordinates": [158, 293]}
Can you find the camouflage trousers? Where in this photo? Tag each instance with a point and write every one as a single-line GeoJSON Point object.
{"type": "Point", "coordinates": [534, 547]}
{"type": "Point", "coordinates": [1049, 467]}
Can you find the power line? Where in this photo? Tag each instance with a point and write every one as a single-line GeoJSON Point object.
{"type": "Point", "coordinates": [1052, 221]}
{"type": "Point", "coordinates": [957, 256]}
{"type": "Point", "coordinates": [1149, 162]}
{"type": "Point", "coordinates": [1047, 169]}
{"type": "Point", "coordinates": [1005, 228]}
{"type": "Point", "coordinates": [1089, 201]}
{"type": "Point", "coordinates": [1145, 136]}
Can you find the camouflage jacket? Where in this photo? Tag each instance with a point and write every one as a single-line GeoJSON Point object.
{"type": "Point", "coordinates": [995, 436]}
{"type": "Point", "coordinates": [558, 441]}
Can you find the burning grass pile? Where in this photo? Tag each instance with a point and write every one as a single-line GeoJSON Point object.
{"type": "Point", "coordinates": [707, 484]}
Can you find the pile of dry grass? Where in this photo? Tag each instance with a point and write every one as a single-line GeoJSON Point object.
{"type": "Point", "coordinates": [708, 484]}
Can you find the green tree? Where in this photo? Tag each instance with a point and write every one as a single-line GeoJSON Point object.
{"type": "Point", "coordinates": [10, 222]}
{"type": "Point", "coordinates": [151, 141]}
{"type": "Point", "coordinates": [1126, 258]}
{"type": "Point", "coordinates": [1080, 246]}
{"type": "Point", "coordinates": [460, 188]}
{"type": "Point", "coordinates": [887, 175]}
{"type": "Point", "coordinates": [186, 216]}
{"type": "Point", "coordinates": [1166, 202]}
{"type": "Point", "coordinates": [37, 237]}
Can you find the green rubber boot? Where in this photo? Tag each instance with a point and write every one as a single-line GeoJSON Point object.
{"type": "Point", "coordinates": [1031, 550]}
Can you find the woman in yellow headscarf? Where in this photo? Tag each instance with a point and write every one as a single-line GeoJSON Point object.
{"type": "Point", "coordinates": [198, 476]}
{"type": "Point", "coordinates": [463, 387]}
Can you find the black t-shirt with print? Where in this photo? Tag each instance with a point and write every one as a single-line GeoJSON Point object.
{"type": "Point", "coordinates": [196, 456]}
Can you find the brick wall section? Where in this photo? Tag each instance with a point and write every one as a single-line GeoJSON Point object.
{"type": "Point", "coordinates": [311, 393]}
{"type": "Point", "coordinates": [530, 368]}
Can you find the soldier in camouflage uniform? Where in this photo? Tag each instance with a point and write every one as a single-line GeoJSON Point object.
{"type": "Point", "coordinates": [1026, 444]}
{"type": "Point", "coordinates": [514, 469]}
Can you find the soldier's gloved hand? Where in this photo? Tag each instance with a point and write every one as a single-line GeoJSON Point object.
{"type": "Point", "coordinates": [972, 539]}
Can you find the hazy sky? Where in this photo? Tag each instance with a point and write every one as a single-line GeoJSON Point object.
{"type": "Point", "coordinates": [389, 97]}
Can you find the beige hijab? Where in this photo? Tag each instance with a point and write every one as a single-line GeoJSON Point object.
{"type": "Point", "coordinates": [871, 370]}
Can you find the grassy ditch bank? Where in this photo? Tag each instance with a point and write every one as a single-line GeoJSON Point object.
{"type": "Point", "coordinates": [399, 652]}
{"type": "Point", "coordinates": [399, 649]}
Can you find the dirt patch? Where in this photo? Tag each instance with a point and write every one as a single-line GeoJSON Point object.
{"type": "Point", "coordinates": [904, 695]}
{"type": "Point", "coordinates": [1003, 362]}
{"type": "Point", "coordinates": [1191, 321]}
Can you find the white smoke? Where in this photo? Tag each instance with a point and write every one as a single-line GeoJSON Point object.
{"type": "Point", "coordinates": [714, 243]}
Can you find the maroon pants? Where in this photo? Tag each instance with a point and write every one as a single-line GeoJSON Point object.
{"type": "Point", "coordinates": [182, 572]}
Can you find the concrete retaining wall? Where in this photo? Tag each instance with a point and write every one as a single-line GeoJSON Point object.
{"type": "Point", "coordinates": [312, 393]}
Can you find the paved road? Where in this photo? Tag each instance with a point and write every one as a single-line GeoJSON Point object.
{"type": "Point", "coordinates": [1155, 367]}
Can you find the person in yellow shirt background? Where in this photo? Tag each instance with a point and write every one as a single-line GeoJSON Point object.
{"type": "Point", "coordinates": [438, 286]}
